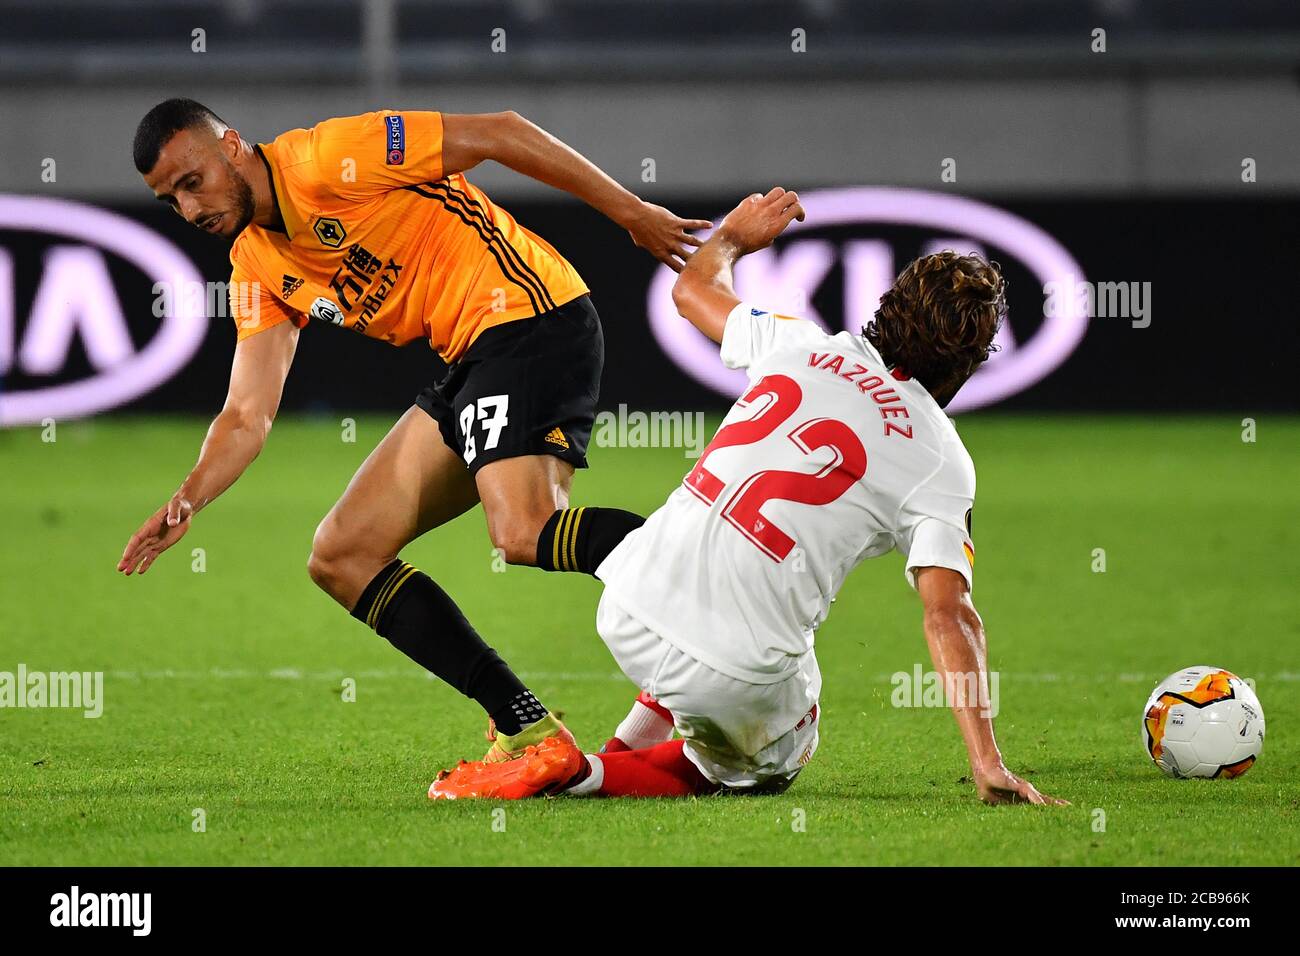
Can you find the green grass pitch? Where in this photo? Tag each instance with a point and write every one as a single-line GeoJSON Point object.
{"type": "Point", "coordinates": [223, 687]}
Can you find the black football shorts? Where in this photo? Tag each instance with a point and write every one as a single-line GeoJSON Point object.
{"type": "Point", "coordinates": [528, 387]}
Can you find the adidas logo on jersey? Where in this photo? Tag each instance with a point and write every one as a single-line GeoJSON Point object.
{"type": "Point", "coordinates": [556, 437]}
{"type": "Point", "coordinates": [291, 285]}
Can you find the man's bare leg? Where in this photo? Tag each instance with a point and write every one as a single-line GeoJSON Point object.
{"type": "Point", "coordinates": [526, 503]}
{"type": "Point", "coordinates": [412, 482]}
{"type": "Point", "coordinates": [519, 496]}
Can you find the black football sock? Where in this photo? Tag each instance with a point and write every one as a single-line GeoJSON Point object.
{"type": "Point", "coordinates": [579, 539]}
{"type": "Point", "coordinates": [404, 605]}
{"type": "Point", "coordinates": [522, 711]}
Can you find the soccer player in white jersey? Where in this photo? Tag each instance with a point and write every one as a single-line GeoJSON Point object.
{"type": "Point", "coordinates": [838, 451]}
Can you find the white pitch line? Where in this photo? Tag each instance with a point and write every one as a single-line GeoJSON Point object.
{"type": "Point", "coordinates": [294, 673]}
{"type": "Point", "coordinates": [1048, 677]}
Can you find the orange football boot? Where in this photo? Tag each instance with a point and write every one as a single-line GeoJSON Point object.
{"type": "Point", "coordinates": [541, 770]}
{"type": "Point", "coordinates": [511, 748]}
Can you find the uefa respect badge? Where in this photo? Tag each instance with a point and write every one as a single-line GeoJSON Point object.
{"type": "Point", "coordinates": [396, 127]}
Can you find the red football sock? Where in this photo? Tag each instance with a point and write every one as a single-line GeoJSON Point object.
{"type": "Point", "coordinates": [645, 698]}
{"type": "Point", "coordinates": [647, 723]}
{"type": "Point", "coordinates": [658, 771]}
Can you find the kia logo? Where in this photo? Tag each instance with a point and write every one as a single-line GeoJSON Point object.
{"type": "Point", "coordinates": [785, 280]}
{"type": "Point", "coordinates": [75, 298]}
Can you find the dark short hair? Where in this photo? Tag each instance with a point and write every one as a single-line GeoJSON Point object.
{"type": "Point", "coordinates": [162, 123]}
{"type": "Point", "coordinates": [937, 321]}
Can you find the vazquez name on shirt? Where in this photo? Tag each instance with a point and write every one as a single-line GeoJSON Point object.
{"type": "Point", "coordinates": [827, 460]}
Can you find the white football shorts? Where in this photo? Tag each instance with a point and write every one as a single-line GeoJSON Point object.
{"type": "Point", "coordinates": [740, 735]}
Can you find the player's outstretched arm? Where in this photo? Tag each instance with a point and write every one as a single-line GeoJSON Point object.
{"type": "Point", "coordinates": [955, 633]}
{"type": "Point", "coordinates": [703, 293]}
{"type": "Point", "coordinates": [234, 439]}
{"type": "Point", "coordinates": [469, 139]}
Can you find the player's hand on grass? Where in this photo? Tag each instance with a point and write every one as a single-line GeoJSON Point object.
{"type": "Point", "coordinates": [663, 235]}
{"type": "Point", "coordinates": [998, 785]}
{"type": "Point", "coordinates": [163, 529]}
{"type": "Point", "coordinates": [761, 218]}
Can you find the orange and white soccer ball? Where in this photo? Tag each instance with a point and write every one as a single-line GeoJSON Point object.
{"type": "Point", "coordinates": [1203, 722]}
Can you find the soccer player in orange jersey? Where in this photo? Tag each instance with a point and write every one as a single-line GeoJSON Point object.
{"type": "Point", "coordinates": [368, 222]}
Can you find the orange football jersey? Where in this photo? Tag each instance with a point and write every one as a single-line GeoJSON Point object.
{"type": "Point", "coordinates": [379, 241]}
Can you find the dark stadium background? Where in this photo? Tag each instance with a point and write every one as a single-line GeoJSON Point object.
{"type": "Point", "coordinates": [1222, 334]}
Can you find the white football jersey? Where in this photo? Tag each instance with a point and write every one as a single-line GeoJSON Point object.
{"type": "Point", "coordinates": [826, 460]}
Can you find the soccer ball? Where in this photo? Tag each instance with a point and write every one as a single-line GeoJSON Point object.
{"type": "Point", "coordinates": [1203, 722]}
